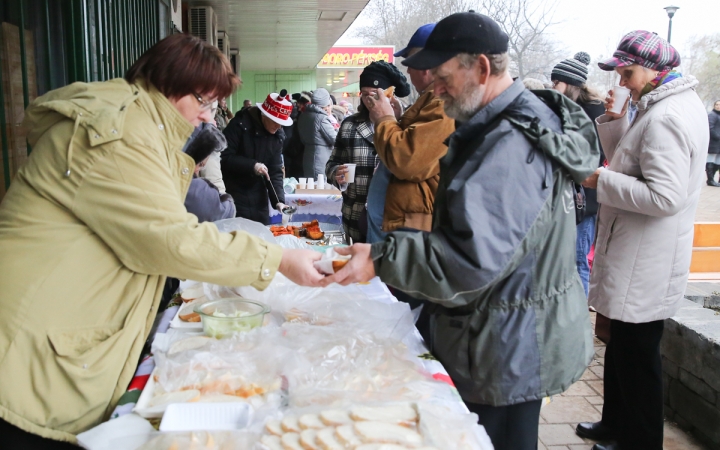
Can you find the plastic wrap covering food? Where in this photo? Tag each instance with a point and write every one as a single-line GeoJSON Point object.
{"type": "Point", "coordinates": [202, 440]}
{"type": "Point", "coordinates": [248, 226]}
{"type": "Point", "coordinates": [246, 367]}
{"type": "Point", "coordinates": [331, 366]}
{"type": "Point", "coordinates": [373, 426]}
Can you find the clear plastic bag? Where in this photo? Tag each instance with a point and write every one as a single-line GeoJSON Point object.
{"type": "Point", "coordinates": [206, 440]}
{"type": "Point", "coordinates": [331, 366]}
{"type": "Point", "coordinates": [248, 226]}
{"type": "Point", "coordinates": [247, 366]}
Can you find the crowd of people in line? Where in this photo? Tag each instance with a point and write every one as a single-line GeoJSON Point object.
{"type": "Point", "coordinates": [481, 203]}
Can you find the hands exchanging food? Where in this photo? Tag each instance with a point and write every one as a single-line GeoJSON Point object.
{"type": "Point", "coordinates": [298, 266]}
{"type": "Point", "coordinates": [360, 268]}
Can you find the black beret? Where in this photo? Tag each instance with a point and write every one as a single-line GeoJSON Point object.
{"type": "Point", "coordinates": [381, 74]}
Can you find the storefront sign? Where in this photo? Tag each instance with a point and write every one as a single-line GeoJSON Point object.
{"type": "Point", "coordinates": [356, 57]}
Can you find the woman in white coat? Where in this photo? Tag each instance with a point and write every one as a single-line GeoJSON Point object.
{"type": "Point", "coordinates": [648, 195]}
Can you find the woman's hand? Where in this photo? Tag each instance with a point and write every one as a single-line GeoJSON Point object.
{"type": "Point", "coordinates": [609, 102]}
{"type": "Point", "coordinates": [297, 265]}
{"type": "Point", "coordinates": [359, 269]}
{"type": "Point", "coordinates": [591, 182]}
{"type": "Point", "coordinates": [340, 174]}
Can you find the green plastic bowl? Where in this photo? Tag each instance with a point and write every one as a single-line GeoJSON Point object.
{"type": "Point", "coordinates": [220, 317]}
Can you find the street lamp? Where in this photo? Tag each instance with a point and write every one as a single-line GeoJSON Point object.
{"type": "Point", "coordinates": [671, 10]}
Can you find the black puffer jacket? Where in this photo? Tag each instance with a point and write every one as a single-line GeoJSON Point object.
{"type": "Point", "coordinates": [714, 119]}
{"type": "Point", "coordinates": [250, 143]}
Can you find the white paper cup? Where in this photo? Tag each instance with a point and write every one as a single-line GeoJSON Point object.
{"type": "Point", "coordinates": [311, 184]}
{"type": "Point", "coordinates": [302, 186]}
{"type": "Point", "coordinates": [321, 179]}
{"type": "Point", "coordinates": [350, 175]}
{"type": "Point", "coordinates": [321, 184]}
{"type": "Point", "coordinates": [302, 181]}
{"type": "Point", "coordinates": [620, 96]}
{"type": "Point", "coordinates": [285, 219]}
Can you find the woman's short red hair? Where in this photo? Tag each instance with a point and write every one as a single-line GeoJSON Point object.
{"type": "Point", "coordinates": [182, 64]}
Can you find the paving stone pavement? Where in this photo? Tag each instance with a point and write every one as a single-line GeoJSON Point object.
{"type": "Point", "coordinates": [709, 205]}
{"type": "Point", "coordinates": [583, 403]}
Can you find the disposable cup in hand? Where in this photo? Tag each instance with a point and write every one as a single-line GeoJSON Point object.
{"type": "Point", "coordinates": [285, 219]}
{"type": "Point", "coordinates": [350, 175]}
{"type": "Point", "coordinates": [620, 96]}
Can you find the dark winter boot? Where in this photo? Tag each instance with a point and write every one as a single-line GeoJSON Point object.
{"type": "Point", "coordinates": [710, 170]}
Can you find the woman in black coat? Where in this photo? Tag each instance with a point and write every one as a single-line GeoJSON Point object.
{"type": "Point", "coordinates": [253, 158]}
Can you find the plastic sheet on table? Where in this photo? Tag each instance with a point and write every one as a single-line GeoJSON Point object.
{"type": "Point", "coordinates": [206, 440]}
{"type": "Point", "coordinates": [248, 226]}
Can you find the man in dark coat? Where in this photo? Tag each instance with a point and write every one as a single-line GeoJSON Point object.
{"type": "Point", "coordinates": [252, 163]}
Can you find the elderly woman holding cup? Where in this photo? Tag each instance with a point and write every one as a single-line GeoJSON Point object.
{"type": "Point", "coordinates": [648, 195]}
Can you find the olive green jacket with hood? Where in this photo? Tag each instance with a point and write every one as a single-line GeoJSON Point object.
{"type": "Point", "coordinates": [89, 229]}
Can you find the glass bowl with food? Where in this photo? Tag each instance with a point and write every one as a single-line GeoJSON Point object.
{"type": "Point", "coordinates": [224, 317]}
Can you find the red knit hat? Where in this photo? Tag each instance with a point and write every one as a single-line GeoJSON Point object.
{"type": "Point", "coordinates": [277, 108]}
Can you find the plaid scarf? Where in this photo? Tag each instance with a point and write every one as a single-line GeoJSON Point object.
{"type": "Point", "coordinates": [663, 77]}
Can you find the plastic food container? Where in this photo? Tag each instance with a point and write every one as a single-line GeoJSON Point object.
{"type": "Point", "coordinates": [231, 315]}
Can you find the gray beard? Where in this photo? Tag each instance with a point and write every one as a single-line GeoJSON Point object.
{"type": "Point", "coordinates": [466, 105]}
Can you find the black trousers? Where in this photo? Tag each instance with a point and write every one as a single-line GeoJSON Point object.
{"type": "Point", "coordinates": [13, 438]}
{"type": "Point", "coordinates": [633, 385]}
{"type": "Point", "coordinates": [513, 427]}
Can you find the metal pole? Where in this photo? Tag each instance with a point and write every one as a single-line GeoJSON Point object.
{"type": "Point", "coordinates": [3, 133]}
{"type": "Point", "coordinates": [48, 44]}
{"type": "Point", "coordinates": [23, 55]}
{"type": "Point", "coordinates": [669, 29]}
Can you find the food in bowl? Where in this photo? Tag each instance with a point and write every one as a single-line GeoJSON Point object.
{"type": "Point", "coordinates": [224, 317]}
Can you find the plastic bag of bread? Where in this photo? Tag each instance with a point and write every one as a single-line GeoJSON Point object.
{"type": "Point", "coordinates": [331, 262]}
{"type": "Point", "coordinates": [374, 426]}
{"type": "Point", "coordinates": [202, 440]}
{"type": "Point", "coordinates": [246, 367]}
{"type": "Point", "coordinates": [331, 366]}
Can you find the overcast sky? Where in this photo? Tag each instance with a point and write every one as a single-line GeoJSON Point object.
{"type": "Point", "coordinates": [596, 26]}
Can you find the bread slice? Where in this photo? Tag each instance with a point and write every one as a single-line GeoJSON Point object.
{"type": "Point", "coordinates": [191, 395]}
{"type": "Point", "coordinates": [272, 442]}
{"type": "Point", "coordinates": [398, 414]}
{"type": "Point", "coordinates": [335, 417]}
{"type": "Point", "coordinates": [192, 292]}
{"type": "Point", "coordinates": [307, 439]}
{"type": "Point", "coordinates": [346, 435]}
{"type": "Point", "coordinates": [290, 424]}
{"type": "Point", "coordinates": [390, 91]}
{"type": "Point", "coordinates": [310, 421]}
{"type": "Point", "coordinates": [388, 433]}
{"type": "Point", "coordinates": [187, 310]}
{"type": "Point", "coordinates": [291, 441]}
{"type": "Point", "coordinates": [273, 427]}
{"type": "Point", "coordinates": [338, 264]}
{"type": "Point", "coordinates": [327, 441]}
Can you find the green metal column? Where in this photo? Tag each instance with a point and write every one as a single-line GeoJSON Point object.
{"type": "Point", "coordinates": [23, 54]}
{"type": "Point", "coordinates": [98, 39]}
{"type": "Point", "coordinates": [3, 132]}
{"type": "Point", "coordinates": [48, 44]}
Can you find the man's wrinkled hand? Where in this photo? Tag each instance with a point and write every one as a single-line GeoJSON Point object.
{"type": "Point", "coordinates": [379, 106]}
{"type": "Point", "coordinates": [360, 268]}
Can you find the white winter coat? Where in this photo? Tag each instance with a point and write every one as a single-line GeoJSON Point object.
{"type": "Point", "coordinates": [648, 196]}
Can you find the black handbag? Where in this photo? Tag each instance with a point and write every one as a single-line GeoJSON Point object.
{"type": "Point", "coordinates": [579, 203]}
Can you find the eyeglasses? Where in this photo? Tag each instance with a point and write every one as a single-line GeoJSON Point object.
{"type": "Point", "coordinates": [204, 104]}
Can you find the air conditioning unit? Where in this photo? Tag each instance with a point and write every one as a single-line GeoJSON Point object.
{"type": "Point", "coordinates": [202, 23]}
{"type": "Point", "coordinates": [235, 60]}
{"type": "Point", "coordinates": [222, 41]}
